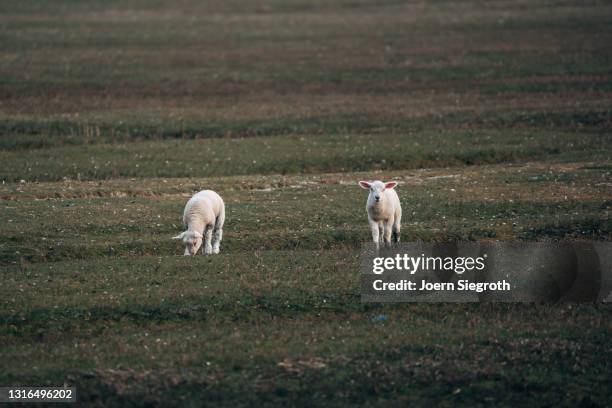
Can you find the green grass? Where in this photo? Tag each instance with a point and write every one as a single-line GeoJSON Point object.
{"type": "Point", "coordinates": [141, 221]}
{"type": "Point", "coordinates": [96, 295]}
{"type": "Point", "coordinates": [290, 155]}
{"type": "Point", "coordinates": [28, 133]}
{"type": "Point", "coordinates": [493, 116]}
{"type": "Point", "coordinates": [160, 329]}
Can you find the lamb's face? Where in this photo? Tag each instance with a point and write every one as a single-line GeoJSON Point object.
{"type": "Point", "coordinates": [192, 241]}
{"type": "Point", "coordinates": [377, 189]}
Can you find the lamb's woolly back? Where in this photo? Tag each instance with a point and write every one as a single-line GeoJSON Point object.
{"type": "Point", "coordinates": [203, 208]}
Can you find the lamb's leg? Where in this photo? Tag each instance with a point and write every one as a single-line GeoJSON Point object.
{"type": "Point", "coordinates": [375, 232]}
{"type": "Point", "coordinates": [396, 231]}
{"type": "Point", "coordinates": [217, 237]}
{"type": "Point", "coordinates": [218, 233]}
{"type": "Point", "coordinates": [387, 237]}
{"type": "Point", "coordinates": [207, 240]}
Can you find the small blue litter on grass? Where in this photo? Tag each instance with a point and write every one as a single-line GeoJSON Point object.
{"type": "Point", "coordinates": [380, 318]}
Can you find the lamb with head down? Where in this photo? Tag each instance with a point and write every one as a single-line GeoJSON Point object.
{"type": "Point", "coordinates": [203, 217]}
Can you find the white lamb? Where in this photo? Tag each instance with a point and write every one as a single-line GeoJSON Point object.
{"type": "Point", "coordinates": [204, 215]}
{"type": "Point", "coordinates": [384, 210]}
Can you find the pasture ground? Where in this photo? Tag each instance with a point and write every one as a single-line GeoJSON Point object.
{"type": "Point", "coordinates": [494, 116]}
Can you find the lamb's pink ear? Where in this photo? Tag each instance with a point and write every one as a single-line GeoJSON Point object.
{"type": "Point", "coordinates": [364, 184]}
{"type": "Point", "coordinates": [179, 236]}
{"type": "Point", "coordinates": [391, 184]}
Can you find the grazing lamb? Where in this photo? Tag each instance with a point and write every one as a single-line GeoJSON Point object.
{"type": "Point", "coordinates": [204, 216]}
{"type": "Point", "coordinates": [384, 210]}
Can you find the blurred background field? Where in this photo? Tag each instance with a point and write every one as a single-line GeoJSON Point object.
{"type": "Point", "coordinates": [494, 116]}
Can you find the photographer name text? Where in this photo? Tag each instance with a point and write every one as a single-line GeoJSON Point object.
{"type": "Point", "coordinates": [461, 285]}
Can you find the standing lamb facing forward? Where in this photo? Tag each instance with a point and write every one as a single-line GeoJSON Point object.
{"type": "Point", "coordinates": [204, 216]}
{"type": "Point", "coordinates": [384, 210]}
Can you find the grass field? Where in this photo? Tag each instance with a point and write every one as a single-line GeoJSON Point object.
{"type": "Point", "coordinates": [495, 117]}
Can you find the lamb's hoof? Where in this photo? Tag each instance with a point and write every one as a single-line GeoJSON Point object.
{"type": "Point", "coordinates": [215, 250]}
